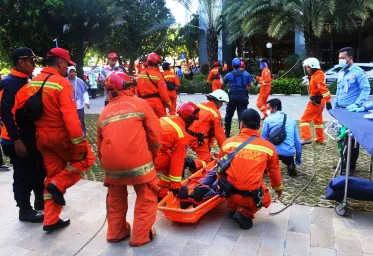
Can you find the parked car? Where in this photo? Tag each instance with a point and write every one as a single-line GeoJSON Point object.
{"type": "Point", "coordinates": [331, 75]}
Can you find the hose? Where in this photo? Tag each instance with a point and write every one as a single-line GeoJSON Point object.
{"type": "Point", "coordinates": [98, 231]}
{"type": "Point", "coordinates": [300, 192]}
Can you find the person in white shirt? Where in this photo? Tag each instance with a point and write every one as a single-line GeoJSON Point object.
{"type": "Point", "coordinates": [80, 95]}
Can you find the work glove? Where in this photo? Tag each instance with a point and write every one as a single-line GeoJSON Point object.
{"type": "Point", "coordinates": [361, 109]}
{"type": "Point", "coordinates": [82, 149]}
{"type": "Point", "coordinates": [174, 191]}
{"type": "Point", "coordinates": [328, 106]}
{"type": "Point", "coordinates": [298, 159]}
{"type": "Point", "coordinates": [352, 107]}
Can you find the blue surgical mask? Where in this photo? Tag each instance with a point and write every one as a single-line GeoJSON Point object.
{"type": "Point", "coordinates": [343, 63]}
{"type": "Point", "coordinates": [263, 65]}
{"type": "Point", "coordinates": [269, 113]}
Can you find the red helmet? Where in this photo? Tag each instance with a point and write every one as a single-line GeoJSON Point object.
{"type": "Point", "coordinates": [242, 64]}
{"type": "Point", "coordinates": [145, 64]}
{"type": "Point", "coordinates": [154, 58]}
{"type": "Point", "coordinates": [118, 81]}
{"type": "Point", "coordinates": [216, 64]}
{"type": "Point", "coordinates": [112, 55]}
{"type": "Point", "coordinates": [188, 111]}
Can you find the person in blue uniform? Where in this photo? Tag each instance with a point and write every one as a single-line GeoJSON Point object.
{"type": "Point", "coordinates": [238, 82]}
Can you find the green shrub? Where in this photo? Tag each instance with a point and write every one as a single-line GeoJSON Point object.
{"type": "Point", "coordinates": [197, 85]}
{"type": "Point", "coordinates": [288, 86]}
{"type": "Point", "coordinates": [205, 69]}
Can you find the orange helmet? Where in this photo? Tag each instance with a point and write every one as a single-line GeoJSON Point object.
{"type": "Point", "coordinates": [154, 58]}
{"type": "Point", "coordinates": [188, 111]}
{"type": "Point", "coordinates": [118, 81]}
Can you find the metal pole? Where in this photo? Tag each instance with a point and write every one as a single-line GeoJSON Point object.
{"type": "Point", "coordinates": [348, 165]}
{"type": "Point", "coordinates": [270, 59]}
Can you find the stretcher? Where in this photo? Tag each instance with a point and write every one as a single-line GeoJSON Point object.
{"type": "Point", "coordinates": [170, 205]}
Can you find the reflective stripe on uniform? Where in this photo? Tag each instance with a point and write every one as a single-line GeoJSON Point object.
{"type": "Point", "coordinates": [250, 146]}
{"type": "Point", "coordinates": [165, 178]}
{"type": "Point", "coordinates": [326, 94]}
{"type": "Point", "coordinates": [261, 108]}
{"type": "Point", "coordinates": [47, 196]}
{"type": "Point", "coordinates": [177, 128]}
{"type": "Point", "coordinates": [169, 76]}
{"type": "Point", "coordinates": [121, 117]}
{"type": "Point", "coordinates": [51, 85]}
{"type": "Point", "coordinates": [151, 77]}
{"type": "Point", "coordinates": [279, 187]}
{"type": "Point", "coordinates": [209, 109]}
{"type": "Point", "coordinates": [131, 173]}
{"type": "Point", "coordinates": [175, 178]}
{"type": "Point", "coordinates": [304, 124]}
{"type": "Point", "coordinates": [320, 126]}
{"type": "Point", "coordinates": [78, 140]}
{"type": "Point", "coordinates": [203, 163]}
{"type": "Point", "coordinates": [70, 168]}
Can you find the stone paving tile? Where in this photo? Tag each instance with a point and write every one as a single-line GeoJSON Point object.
{"type": "Point", "coordinates": [244, 252]}
{"type": "Point", "coordinates": [193, 249]}
{"type": "Point", "coordinates": [117, 249]}
{"type": "Point", "coordinates": [171, 245]}
{"type": "Point", "coordinates": [345, 229]}
{"type": "Point", "coordinates": [250, 239]}
{"type": "Point", "coordinates": [363, 220]}
{"type": "Point", "coordinates": [275, 230]}
{"type": "Point", "coordinates": [348, 247]}
{"type": "Point", "coordinates": [271, 248]}
{"type": "Point", "coordinates": [318, 251]}
{"type": "Point", "coordinates": [366, 241]}
{"type": "Point", "coordinates": [321, 216]}
{"type": "Point", "coordinates": [322, 236]}
{"type": "Point", "coordinates": [283, 216]}
{"type": "Point", "coordinates": [299, 220]}
{"type": "Point", "coordinates": [13, 250]}
{"type": "Point", "coordinates": [297, 244]}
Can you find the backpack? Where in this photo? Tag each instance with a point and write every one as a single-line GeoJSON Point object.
{"type": "Point", "coordinates": [170, 85]}
{"type": "Point", "coordinates": [235, 75]}
{"type": "Point", "coordinates": [33, 107]}
{"type": "Point", "coordinates": [279, 135]}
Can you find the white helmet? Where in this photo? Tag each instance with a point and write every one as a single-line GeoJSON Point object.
{"type": "Point", "coordinates": [312, 63]}
{"type": "Point", "coordinates": [218, 94]}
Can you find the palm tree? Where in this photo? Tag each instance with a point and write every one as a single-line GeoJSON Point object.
{"type": "Point", "coordinates": [209, 12]}
{"type": "Point", "coordinates": [280, 17]}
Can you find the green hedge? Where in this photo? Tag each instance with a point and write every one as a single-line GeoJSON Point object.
{"type": "Point", "coordinates": [280, 86]}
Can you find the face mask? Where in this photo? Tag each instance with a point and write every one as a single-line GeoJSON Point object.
{"type": "Point", "coordinates": [343, 63]}
{"type": "Point", "coordinates": [269, 112]}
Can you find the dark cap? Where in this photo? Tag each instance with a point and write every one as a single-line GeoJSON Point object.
{"type": "Point", "coordinates": [23, 53]}
{"type": "Point", "coordinates": [264, 60]}
{"type": "Point", "coordinates": [251, 118]}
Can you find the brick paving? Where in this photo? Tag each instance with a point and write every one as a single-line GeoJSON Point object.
{"type": "Point", "coordinates": [299, 230]}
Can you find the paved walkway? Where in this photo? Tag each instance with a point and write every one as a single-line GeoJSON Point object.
{"type": "Point", "coordinates": [300, 230]}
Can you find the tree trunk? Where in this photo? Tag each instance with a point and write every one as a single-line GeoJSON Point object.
{"type": "Point", "coordinates": [212, 45]}
{"type": "Point", "coordinates": [359, 43]}
{"type": "Point", "coordinates": [331, 47]}
{"type": "Point", "coordinates": [131, 67]}
{"type": "Point", "coordinates": [312, 45]}
{"type": "Point", "coordinates": [79, 58]}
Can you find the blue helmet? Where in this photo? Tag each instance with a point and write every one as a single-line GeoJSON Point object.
{"type": "Point", "coordinates": [236, 63]}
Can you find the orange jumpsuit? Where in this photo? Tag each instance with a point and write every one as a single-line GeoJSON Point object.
{"type": "Point", "coordinates": [170, 161]}
{"type": "Point", "coordinates": [59, 134]}
{"type": "Point", "coordinates": [313, 112]}
{"type": "Point", "coordinates": [210, 124]}
{"type": "Point", "coordinates": [154, 93]}
{"type": "Point", "coordinates": [247, 169]}
{"type": "Point", "coordinates": [265, 89]}
{"type": "Point", "coordinates": [128, 160]}
{"type": "Point", "coordinates": [214, 75]}
{"type": "Point", "coordinates": [172, 77]}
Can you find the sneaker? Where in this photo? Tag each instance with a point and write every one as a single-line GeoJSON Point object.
{"type": "Point", "coordinates": [242, 221]}
{"type": "Point", "coordinates": [4, 168]}
{"type": "Point", "coordinates": [305, 142]}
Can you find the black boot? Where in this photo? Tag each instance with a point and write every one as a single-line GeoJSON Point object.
{"type": "Point", "coordinates": [189, 162]}
{"type": "Point", "coordinates": [39, 202]}
{"type": "Point", "coordinates": [57, 195]}
{"type": "Point", "coordinates": [242, 221]}
{"type": "Point", "coordinates": [227, 132]}
{"type": "Point", "coordinates": [61, 223]}
{"type": "Point", "coordinates": [292, 171]}
{"type": "Point", "coordinates": [184, 196]}
{"type": "Point", "coordinates": [31, 215]}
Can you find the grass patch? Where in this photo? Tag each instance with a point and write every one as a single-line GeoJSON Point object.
{"type": "Point", "coordinates": [316, 158]}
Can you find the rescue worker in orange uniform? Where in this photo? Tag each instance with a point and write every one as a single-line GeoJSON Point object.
{"type": "Point", "coordinates": [128, 160]}
{"type": "Point", "coordinates": [59, 133]}
{"type": "Point", "coordinates": [264, 82]}
{"type": "Point", "coordinates": [152, 87]}
{"type": "Point", "coordinates": [246, 171]}
{"type": "Point", "coordinates": [173, 83]}
{"type": "Point", "coordinates": [319, 96]}
{"type": "Point", "coordinates": [215, 77]}
{"type": "Point", "coordinates": [202, 132]}
{"type": "Point", "coordinates": [170, 161]}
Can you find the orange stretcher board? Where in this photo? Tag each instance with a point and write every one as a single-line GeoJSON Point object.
{"type": "Point", "coordinates": [170, 205]}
